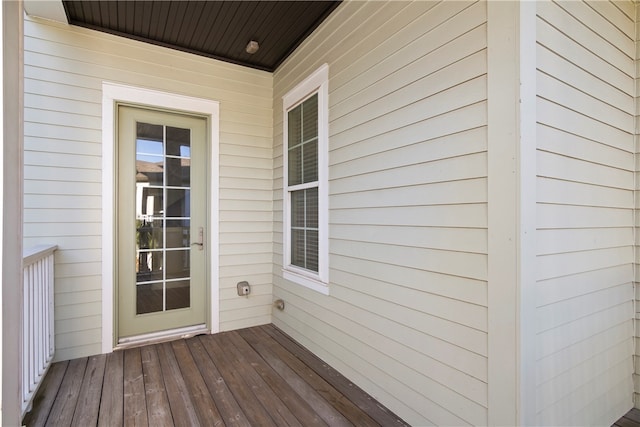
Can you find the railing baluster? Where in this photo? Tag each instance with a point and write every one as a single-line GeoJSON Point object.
{"type": "Point", "coordinates": [38, 344]}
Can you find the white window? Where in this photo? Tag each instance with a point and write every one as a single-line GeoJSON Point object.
{"type": "Point", "coordinates": [305, 211]}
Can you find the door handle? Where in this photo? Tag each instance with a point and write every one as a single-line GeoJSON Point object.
{"type": "Point", "coordinates": [200, 241]}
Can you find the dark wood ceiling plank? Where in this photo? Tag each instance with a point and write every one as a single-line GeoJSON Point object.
{"type": "Point", "coordinates": [175, 21]}
{"type": "Point", "coordinates": [209, 12]}
{"type": "Point", "coordinates": [160, 21]}
{"type": "Point", "coordinates": [219, 27]}
{"type": "Point", "coordinates": [192, 22]}
{"type": "Point", "coordinates": [147, 11]}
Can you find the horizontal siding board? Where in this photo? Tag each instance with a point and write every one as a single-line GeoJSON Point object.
{"type": "Point", "coordinates": [571, 240]}
{"type": "Point", "coordinates": [440, 193]}
{"type": "Point", "coordinates": [627, 7]}
{"type": "Point", "coordinates": [560, 142]}
{"type": "Point", "coordinates": [385, 96]}
{"type": "Point", "coordinates": [568, 381]}
{"type": "Point", "coordinates": [555, 65]}
{"type": "Point", "coordinates": [579, 194]}
{"type": "Point", "coordinates": [560, 313]}
{"type": "Point", "coordinates": [403, 347]}
{"type": "Point", "coordinates": [383, 297]}
{"type": "Point", "coordinates": [62, 215]}
{"type": "Point", "coordinates": [563, 94]}
{"type": "Point", "coordinates": [556, 41]}
{"type": "Point", "coordinates": [565, 358]}
{"type": "Point", "coordinates": [551, 341]}
{"type": "Point", "coordinates": [554, 115]}
{"type": "Point", "coordinates": [457, 168]}
{"type": "Point", "coordinates": [616, 16]}
{"type": "Point", "coordinates": [62, 188]}
{"type": "Point", "coordinates": [570, 169]}
{"type": "Point", "coordinates": [466, 240]}
{"type": "Point", "coordinates": [613, 35]}
{"type": "Point", "coordinates": [459, 288]}
{"type": "Point", "coordinates": [462, 95]}
{"type": "Point", "coordinates": [443, 132]}
{"type": "Point", "coordinates": [468, 216]}
{"type": "Point", "coordinates": [567, 409]}
{"type": "Point", "coordinates": [396, 156]}
{"type": "Point", "coordinates": [564, 216]}
{"type": "Point", "coordinates": [387, 57]}
{"type": "Point", "coordinates": [68, 174]}
{"type": "Point", "coordinates": [71, 256]}
{"type": "Point", "coordinates": [567, 287]}
{"type": "Point", "coordinates": [449, 262]}
{"type": "Point", "coordinates": [47, 145]}
{"type": "Point", "coordinates": [550, 266]}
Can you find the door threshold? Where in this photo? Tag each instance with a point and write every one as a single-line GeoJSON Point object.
{"type": "Point", "coordinates": [161, 336]}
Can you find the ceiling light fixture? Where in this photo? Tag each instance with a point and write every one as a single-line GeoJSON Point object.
{"type": "Point", "coordinates": [252, 47]}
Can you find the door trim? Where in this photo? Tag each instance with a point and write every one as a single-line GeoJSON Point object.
{"type": "Point", "coordinates": [112, 94]}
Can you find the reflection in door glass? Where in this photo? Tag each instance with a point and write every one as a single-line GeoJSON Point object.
{"type": "Point", "coordinates": [163, 179]}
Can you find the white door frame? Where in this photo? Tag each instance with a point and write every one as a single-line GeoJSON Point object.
{"type": "Point", "coordinates": [112, 93]}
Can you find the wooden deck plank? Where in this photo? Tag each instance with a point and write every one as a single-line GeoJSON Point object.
{"type": "Point", "coordinates": [240, 378]}
{"type": "Point", "coordinates": [111, 406]}
{"type": "Point", "coordinates": [253, 409]}
{"type": "Point", "coordinates": [626, 422]}
{"type": "Point", "coordinates": [326, 400]}
{"type": "Point", "coordinates": [182, 408]}
{"type": "Point", "coordinates": [135, 403]}
{"type": "Point", "coordinates": [229, 409]}
{"type": "Point", "coordinates": [88, 405]}
{"type": "Point", "coordinates": [44, 399]}
{"type": "Point", "coordinates": [298, 407]}
{"type": "Point", "coordinates": [269, 398]}
{"type": "Point", "coordinates": [363, 400]}
{"type": "Point", "coordinates": [158, 410]}
{"type": "Point", "coordinates": [65, 404]}
{"type": "Point", "coordinates": [633, 415]}
{"type": "Point", "coordinates": [206, 409]}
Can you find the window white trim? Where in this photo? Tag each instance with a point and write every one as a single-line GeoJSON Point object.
{"type": "Point", "coordinates": [317, 82]}
{"type": "Point", "coordinates": [111, 94]}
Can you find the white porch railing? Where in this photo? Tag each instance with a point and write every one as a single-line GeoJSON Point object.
{"type": "Point", "coordinates": [37, 319]}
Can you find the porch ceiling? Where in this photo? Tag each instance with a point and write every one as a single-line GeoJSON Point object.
{"type": "Point", "coordinates": [216, 29]}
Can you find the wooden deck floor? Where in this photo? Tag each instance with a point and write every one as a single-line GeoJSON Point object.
{"type": "Point", "coordinates": [631, 419]}
{"type": "Point", "coordinates": [252, 377]}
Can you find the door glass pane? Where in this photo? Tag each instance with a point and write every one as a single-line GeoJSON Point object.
{"type": "Point", "coordinates": [178, 172]}
{"type": "Point", "coordinates": [149, 234]}
{"type": "Point", "coordinates": [178, 202]}
{"type": "Point", "coordinates": [178, 233]}
{"type": "Point", "coordinates": [149, 266]}
{"type": "Point", "coordinates": [178, 142]}
{"type": "Point", "coordinates": [149, 298]}
{"type": "Point", "coordinates": [178, 294]}
{"type": "Point", "coordinates": [178, 264]}
{"type": "Point", "coordinates": [163, 179]}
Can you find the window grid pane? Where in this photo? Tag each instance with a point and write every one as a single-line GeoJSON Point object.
{"type": "Point", "coordinates": [304, 228]}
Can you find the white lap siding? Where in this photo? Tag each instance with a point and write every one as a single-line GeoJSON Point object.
{"type": "Point", "coordinates": [585, 211]}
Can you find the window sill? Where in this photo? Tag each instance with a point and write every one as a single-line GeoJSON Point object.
{"type": "Point", "coordinates": [313, 283]}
